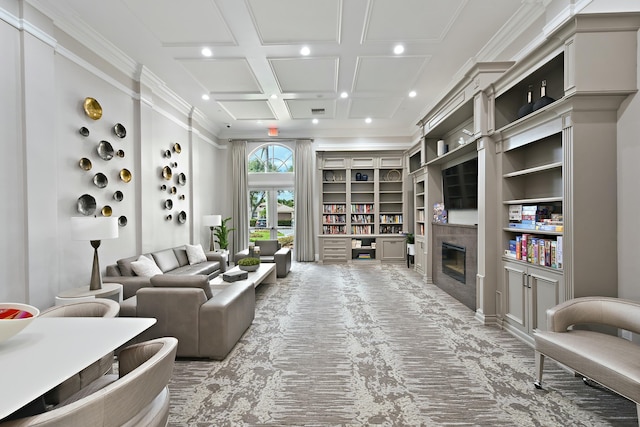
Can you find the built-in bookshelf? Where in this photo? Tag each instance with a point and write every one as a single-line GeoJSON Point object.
{"type": "Point", "coordinates": [362, 198]}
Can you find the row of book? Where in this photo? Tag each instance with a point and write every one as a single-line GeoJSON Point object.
{"type": "Point", "coordinates": [390, 229]}
{"type": "Point", "coordinates": [362, 229]}
{"type": "Point", "coordinates": [333, 229]}
{"type": "Point", "coordinates": [334, 209]}
{"type": "Point", "coordinates": [536, 250]}
{"type": "Point", "coordinates": [334, 219]}
{"type": "Point", "coordinates": [362, 208]}
{"type": "Point", "coordinates": [362, 219]}
{"type": "Point", "coordinates": [390, 219]}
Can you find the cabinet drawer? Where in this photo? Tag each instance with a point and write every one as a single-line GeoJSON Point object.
{"type": "Point", "coordinates": [335, 244]}
{"type": "Point", "coordinates": [390, 162]}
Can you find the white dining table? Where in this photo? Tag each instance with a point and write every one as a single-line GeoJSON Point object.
{"type": "Point", "coordinates": [50, 350]}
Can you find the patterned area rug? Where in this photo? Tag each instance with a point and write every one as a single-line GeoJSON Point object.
{"type": "Point", "coordinates": [372, 344]}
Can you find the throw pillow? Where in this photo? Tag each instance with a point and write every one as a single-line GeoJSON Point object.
{"type": "Point", "coordinates": [145, 267]}
{"type": "Point", "coordinates": [195, 254]}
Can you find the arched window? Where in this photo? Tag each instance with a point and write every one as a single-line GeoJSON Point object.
{"type": "Point", "coordinates": [271, 158]}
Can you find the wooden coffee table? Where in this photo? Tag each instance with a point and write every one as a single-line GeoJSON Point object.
{"type": "Point", "coordinates": [266, 273]}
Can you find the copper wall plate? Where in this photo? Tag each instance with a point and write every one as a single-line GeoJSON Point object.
{"type": "Point", "coordinates": [85, 164]}
{"type": "Point", "coordinates": [107, 211]}
{"type": "Point", "coordinates": [86, 204]}
{"type": "Point", "coordinates": [92, 108]}
{"type": "Point", "coordinates": [125, 175]}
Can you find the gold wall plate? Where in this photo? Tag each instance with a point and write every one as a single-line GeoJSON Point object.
{"type": "Point", "coordinates": [166, 173]}
{"type": "Point", "coordinates": [107, 211]}
{"type": "Point", "coordinates": [85, 164]}
{"type": "Point", "coordinates": [92, 108]}
{"type": "Point", "coordinates": [125, 175]}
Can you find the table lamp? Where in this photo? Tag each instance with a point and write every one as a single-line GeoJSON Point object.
{"type": "Point", "coordinates": [212, 221]}
{"type": "Point", "coordinates": [94, 229]}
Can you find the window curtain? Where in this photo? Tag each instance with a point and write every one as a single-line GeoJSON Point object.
{"type": "Point", "coordinates": [303, 189]}
{"type": "Point", "coordinates": [240, 195]}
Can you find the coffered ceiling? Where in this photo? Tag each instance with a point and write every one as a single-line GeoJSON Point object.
{"type": "Point", "coordinates": [256, 77]}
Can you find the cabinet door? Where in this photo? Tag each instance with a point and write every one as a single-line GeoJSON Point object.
{"type": "Point", "coordinates": [545, 287]}
{"type": "Point", "coordinates": [515, 279]}
{"type": "Point", "coordinates": [392, 249]}
{"type": "Point", "coordinates": [419, 256]}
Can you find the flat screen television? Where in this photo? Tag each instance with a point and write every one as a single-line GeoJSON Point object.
{"type": "Point", "coordinates": [460, 185]}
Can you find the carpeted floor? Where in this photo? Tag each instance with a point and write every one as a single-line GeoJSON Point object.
{"type": "Point", "coordinates": [372, 344]}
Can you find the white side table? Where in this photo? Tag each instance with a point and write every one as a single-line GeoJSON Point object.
{"type": "Point", "coordinates": [109, 290]}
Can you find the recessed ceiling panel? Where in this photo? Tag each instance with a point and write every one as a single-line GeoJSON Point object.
{"type": "Point", "coordinates": [387, 74]}
{"type": "Point", "coordinates": [183, 22]}
{"type": "Point", "coordinates": [306, 74]}
{"type": "Point", "coordinates": [376, 108]}
{"type": "Point", "coordinates": [224, 75]}
{"type": "Point", "coordinates": [248, 110]}
{"type": "Point", "coordinates": [410, 20]}
{"type": "Point", "coordinates": [311, 108]}
{"type": "Point", "coordinates": [296, 21]}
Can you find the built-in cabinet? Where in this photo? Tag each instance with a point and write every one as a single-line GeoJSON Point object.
{"type": "Point", "coordinates": [558, 158]}
{"type": "Point", "coordinates": [529, 292]}
{"type": "Point", "coordinates": [363, 207]}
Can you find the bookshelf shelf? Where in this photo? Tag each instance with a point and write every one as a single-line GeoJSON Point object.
{"type": "Point", "coordinates": [537, 169]}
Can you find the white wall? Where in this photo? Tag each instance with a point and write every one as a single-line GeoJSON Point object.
{"type": "Point", "coordinates": [44, 82]}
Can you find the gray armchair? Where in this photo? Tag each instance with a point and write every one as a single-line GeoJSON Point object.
{"type": "Point", "coordinates": [271, 251]}
{"type": "Point", "coordinates": [138, 396]}
{"type": "Point", "coordinates": [100, 307]}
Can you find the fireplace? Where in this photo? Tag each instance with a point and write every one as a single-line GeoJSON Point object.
{"type": "Point", "coordinates": [453, 261]}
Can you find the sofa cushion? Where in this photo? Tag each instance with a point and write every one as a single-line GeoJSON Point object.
{"type": "Point", "coordinates": [181, 255]}
{"type": "Point", "coordinates": [124, 265]}
{"type": "Point", "coordinates": [145, 267]}
{"type": "Point", "coordinates": [205, 268]}
{"type": "Point", "coordinates": [166, 260]}
{"type": "Point", "coordinates": [195, 253]}
{"type": "Point", "coordinates": [173, 281]}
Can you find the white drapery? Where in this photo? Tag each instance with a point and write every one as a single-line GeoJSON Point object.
{"type": "Point", "coordinates": [303, 189]}
{"type": "Point", "coordinates": [240, 196]}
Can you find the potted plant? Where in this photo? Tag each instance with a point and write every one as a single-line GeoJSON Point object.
{"type": "Point", "coordinates": [222, 234]}
{"type": "Point", "coordinates": [249, 264]}
{"type": "Point", "coordinates": [411, 250]}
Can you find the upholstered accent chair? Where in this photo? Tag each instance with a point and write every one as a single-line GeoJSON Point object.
{"type": "Point", "coordinates": [271, 251]}
{"type": "Point", "coordinates": [99, 307]}
{"type": "Point", "coordinates": [137, 396]}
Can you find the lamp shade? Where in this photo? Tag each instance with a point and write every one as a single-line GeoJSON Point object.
{"type": "Point", "coordinates": [94, 228]}
{"type": "Point", "coordinates": [212, 220]}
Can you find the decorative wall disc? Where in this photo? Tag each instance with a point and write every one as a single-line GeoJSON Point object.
{"type": "Point", "coordinates": [166, 173]}
{"type": "Point", "coordinates": [105, 150]}
{"type": "Point", "coordinates": [84, 131]}
{"type": "Point", "coordinates": [86, 204]}
{"type": "Point", "coordinates": [394, 175]}
{"type": "Point", "coordinates": [182, 179]}
{"type": "Point", "coordinates": [125, 175]}
{"type": "Point", "coordinates": [120, 153]}
{"type": "Point", "coordinates": [122, 221]}
{"type": "Point", "coordinates": [85, 164]}
{"type": "Point", "coordinates": [107, 211]}
{"type": "Point", "coordinates": [182, 217]}
{"type": "Point", "coordinates": [119, 130]}
{"type": "Point", "coordinates": [168, 204]}
{"type": "Point", "coordinates": [177, 148]}
{"type": "Point", "coordinates": [100, 180]}
{"type": "Point", "coordinates": [118, 196]}
{"type": "Point", "coordinates": [92, 108]}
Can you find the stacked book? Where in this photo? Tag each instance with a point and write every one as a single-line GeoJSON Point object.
{"type": "Point", "coordinates": [536, 250]}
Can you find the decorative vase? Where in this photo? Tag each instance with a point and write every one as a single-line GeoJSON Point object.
{"type": "Point", "coordinates": [544, 99]}
{"type": "Point", "coordinates": [358, 176]}
{"type": "Point", "coordinates": [528, 107]}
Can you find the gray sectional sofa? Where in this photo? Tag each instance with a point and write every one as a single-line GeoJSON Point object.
{"type": "Point", "coordinates": [207, 323]}
{"type": "Point", "coordinates": [173, 261]}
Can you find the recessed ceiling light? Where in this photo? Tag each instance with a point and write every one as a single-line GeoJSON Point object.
{"type": "Point", "coordinates": [314, 121]}
{"type": "Point", "coordinates": [206, 52]}
{"type": "Point", "coordinates": [368, 120]}
{"type": "Point", "coordinates": [412, 94]}
{"type": "Point", "coordinates": [274, 96]}
{"type": "Point", "coordinates": [205, 96]}
{"type": "Point", "coordinates": [398, 49]}
{"type": "Point", "coordinates": [344, 95]}
{"type": "Point", "coordinates": [305, 51]}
